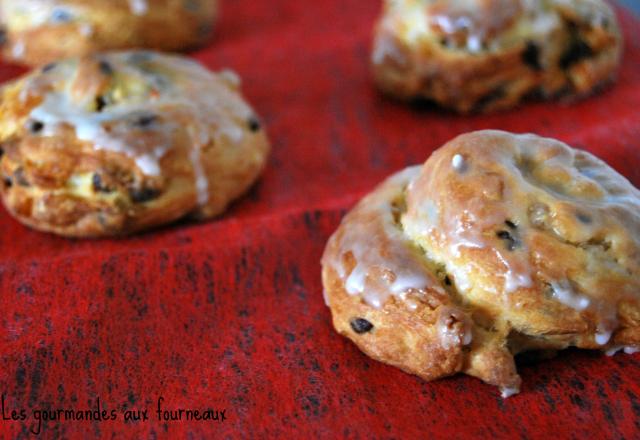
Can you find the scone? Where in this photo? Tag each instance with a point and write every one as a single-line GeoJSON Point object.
{"type": "Point", "coordinates": [484, 55]}
{"type": "Point", "coordinates": [499, 244]}
{"type": "Point", "coordinates": [118, 142]}
{"type": "Point", "coordinates": [39, 31]}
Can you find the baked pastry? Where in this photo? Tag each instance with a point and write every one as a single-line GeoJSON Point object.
{"type": "Point", "coordinates": [483, 55]}
{"type": "Point", "coordinates": [40, 31]}
{"type": "Point", "coordinates": [118, 142]}
{"type": "Point", "coordinates": [499, 244]}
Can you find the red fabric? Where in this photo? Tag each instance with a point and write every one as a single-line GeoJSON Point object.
{"type": "Point", "coordinates": [229, 313]}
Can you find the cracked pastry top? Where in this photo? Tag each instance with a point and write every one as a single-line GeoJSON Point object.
{"type": "Point", "coordinates": [484, 55]}
{"type": "Point", "coordinates": [499, 244]}
{"type": "Point", "coordinates": [114, 143]}
{"type": "Point", "coordinates": [39, 31]}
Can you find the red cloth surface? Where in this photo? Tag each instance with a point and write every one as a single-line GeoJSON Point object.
{"type": "Point", "coordinates": [229, 314]}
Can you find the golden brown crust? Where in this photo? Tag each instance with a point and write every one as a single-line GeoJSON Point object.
{"type": "Point", "coordinates": [41, 31]}
{"type": "Point", "coordinates": [115, 143]}
{"type": "Point", "coordinates": [499, 244]}
{"type": "Point", "coordinates": [484, 55]}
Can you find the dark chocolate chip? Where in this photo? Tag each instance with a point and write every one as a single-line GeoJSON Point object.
{"type": "Point", "coordinates": [495, 95]}
{"type": "Point", "coordinates": [254, 124]}
{"type": "Point", "coordinates": [98, 184]}
{"type": "Point", "coordinates": [191, 5]}
{"type": "Point", "coordinates": [145, 120]}
{"type": "Point", "coordinates": [1, 152]}
{"type": "Point", "coordinates": [577, 51]}
{"type": "Point", "coordinates": [8, 183]}
{"type": "Point", "coordinates": [20, 177]}
{"type": "Point", "coordinates": [447, 280]}
{"type": "Point", "coordinates": [531, 56]}
{"type": "Point", "coordinates": [101, 103]}
{"type": "Point", "coordinates": [584, 218]}
{"type": "Point", "coordinates": [361, 325]}
{"type": "Point", "coordinates": [35, 126]}
{"type": "Point", "coordinates": [204, 29]}
{"type": "Point", "coordinates": [142, 195]}
{"type": "Point", "coordinates": [511, 224]}
{"type": "Point", "coordinates": [49, 67]}
{"type": "Point", "coordinates": [510, 241]}
{"type": "Point", "coordinates": [105, 67]}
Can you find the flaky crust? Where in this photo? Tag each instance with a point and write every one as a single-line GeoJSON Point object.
{"type": "Point", "coordinates": [115, 143]}
{"type": "Point", "coordinates": [40, 31]}
{"type": "Point", "coordinates": [499, 244]}
{"type": "Point", "coordinates": [484, 55]}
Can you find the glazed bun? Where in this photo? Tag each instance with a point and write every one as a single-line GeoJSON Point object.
{"type": "Point", "coordinates": [114, 143]}
{"type": "Point", "coordinates": [483, 55]}
{"type": "Point", "coordinates": [40, 31]}
{"type": "Point", "coordinates": [499, 244]}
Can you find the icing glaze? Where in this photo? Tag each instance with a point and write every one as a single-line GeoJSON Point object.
{"type": "Point", "coordinates": [386, 262]}
{"type": "Point", "coordinates": [626, 349]}
{"type": "Point", "coordinates": [453, 328]}
{"type": "Point", "coordinates": [473, 25]}
{"type": "Point", "coordinates": [177, 92]}
{"type": "Point", "coordinates": [138, 7]}
{"type": "Point", "coordinates": [508, 392]}
{"type": "Point", "coordinates": [564, 293]}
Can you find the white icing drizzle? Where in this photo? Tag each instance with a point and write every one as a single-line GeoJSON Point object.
{"type": "Point", "coordinates": [564, 293]}
{"type": "Point", "coordinates": [507, 392]}
{"type": "Point", "coordinates": [471, 24]}
{"type": "Point", "coordinates": [387, 263]}
{"type": "Point", "coordinates": [453, 328]}
{"type": "Point", "coordinates": [458, 163]}
{"type": "Point", "coordinates": [603, 336]}
{"type": "Point", "coordinates": [86, 29]}
{"type": "Point", "coordinates": [185, 94]}
{"type": "Point", "coordinates": [18, 49]}
{"type": "Point", "coordinates": [626, 349]}
{"type": "Point", "coordinates": [138, 7]}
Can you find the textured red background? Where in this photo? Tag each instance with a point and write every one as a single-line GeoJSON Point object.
{"type": "Point", "coordinates": [229, 314]}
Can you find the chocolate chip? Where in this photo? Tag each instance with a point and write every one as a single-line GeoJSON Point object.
{"type": "Point", "coordinates": [531, 56]}
{"type": "Point", "coordinates": [511, 224]}
{"type": "Point", "coordinates": [49, 67]}
{"type": "Point", "coordinates": [495, 95]}
{"type": "Point", "coordinates": [101, 103]}
{"type": "Point", "coordinates": [584, 218]}
{"type": "Point", "coordinates": [8, 183]}
{"type": "Point", "coordinates": [35, 126]}
{"type": "Point", "coordinates": [145, 120]}
{"type": "Point", "coordinates": [510, 241]}
{"type": "Point", "coordinates": [141, 195]}
{"type": "Point", "coordinates": [191, 5]}
{"type": "Point", "coordinates": [98, 184]}
{"type": "Point", "coordinates": [361, 325]}
{"type": "Point", "coordinates": [105, 67]}
{"type": "Point", "coordinates": [1, 152]}
{"type": "Point", "coordinates": [204, 29]}
{"type": "Point", "coordinates": [254, 124]}
{"type": "Point", "coordinates": [20, 177]}
{"type": "Point", "coordinates": [447, 280]}
{"type": "Point", "coordinates": [577, 51]}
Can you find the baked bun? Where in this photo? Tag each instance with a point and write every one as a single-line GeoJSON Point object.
{"type": "Point", "coordinates": [499, 244]}
{"type": "Point", "coordinates": [40, 31]}
{"type": "Point", "coordinates": [483, 55]}
{"type": "Point", "coordinates": [119, 142]}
